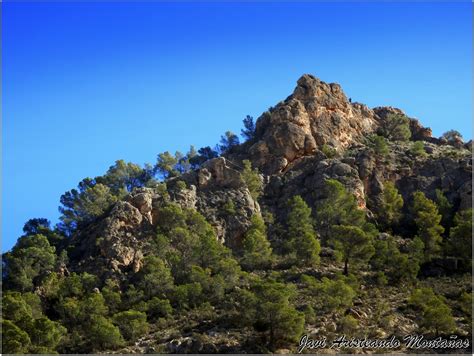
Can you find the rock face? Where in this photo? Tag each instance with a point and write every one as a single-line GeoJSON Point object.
{"type": "Point", "coordinates": [288, 150]}
{"type": "Point", "coordinates": [316, 114]}
{"type": "Point", "coordinates": [218, 184]}
{"type": "Point", "coordinates": [113, 244]}
{"type": "Point", "coordinates": [116, 243]}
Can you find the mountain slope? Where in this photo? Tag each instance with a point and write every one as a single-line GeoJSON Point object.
{"type": "Point", "coordinates": [169, 256]}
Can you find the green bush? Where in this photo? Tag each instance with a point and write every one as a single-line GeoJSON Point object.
{"type": "Point", "coordinates": [328, 151]}
{"type": "Point", "coordinates": [14, 340]}
{"type": "Point", "coordinates": [331, 295]}
{"type": "Point", "coordinates": [465, 302]}
{"type": "Point", "coordinates": [132, 324]}
{"type": "Point", "coordinates": [379, 144]}
{"type": "Point", "coordinates": [435, 313]}
{"type": "Point", "coordinates": [252, 179]}
{"type": "Point", "coordinates": [418, 149]}
{"type": "Point", "coordinates": [159, 308]}
{"type": "Point", "coordinates": [181, 185]}
{"type": "Point", "coordinates": [348, 325]}
{"type": "Point", "coordinates": [229, 207]}
{"type": "Point", "coordinates": [102, 334]}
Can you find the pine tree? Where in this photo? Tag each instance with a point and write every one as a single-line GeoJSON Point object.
{"type": "Point", "coordinates": [396, 127]}
{"type": "Point", "coordinates": [166, 165]}
{"type": "Point", "coordinates": [248, 132]}
{"type": "Point", "coordinates": [396, 265]}
{"type": "Point", "coordinates": [302, 236]}
{"type": "Point", "coordinates": [102, 334]}
{"type": "Point", "coordinates": [14, 340]}
{"type": "Point", "coordinates": [339, 207]}
{"type": "Point", "coordinates": [330, 294]}
{"type": "Point", "coordinates": [131, 323]}
{"type": "Point", "coordinates": [82, 206]}
{"type": "Point", "coordinates": [435, 314]}
{"type": "Point", "coordinates": [251, 179]}
{"type": "Point", "coordinates": [351, 243]}
{"type": "Point", "coordinates": [392, 202]}
{"type": "Point", "coordinates": [445, 208]}
{"type": "Point", "coordinates": [228, 141]}
{"type": "Point", "coordinates": [276, 315]}
{"type": "Point", "coordinates": [32, 257]}
{"type": "Point", "coordinates": [379, 144]}
{"type": "Point", "coordinates": [123, 176]}
{"type": "Point", "coordinates": [418, 149]}
{"type": "Point", "coordinates": [427, 220]}
{"type": "Point", "coordinates": [452, 136]}
{"type": "Point", "coordinates": [460, 236]}
{"type": "Point", "coordinates": [257, 250]}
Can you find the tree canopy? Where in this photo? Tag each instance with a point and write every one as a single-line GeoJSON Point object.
{"type": "Point", "coordinates": [301, 235]}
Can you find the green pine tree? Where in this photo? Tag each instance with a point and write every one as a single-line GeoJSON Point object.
{"type": "Point", "coordinates": [427, 220]}
{"type": "Point", "coordinates": [251, 179]}
{"type": "Point", "coordinates": [390, 210]}
{"type": "Point", "coordinates": [257, 250]}
{"type": "Point", "coordinates": [460, 236]}
{"type": "Point", "coordinates": [351, 244]}
{"type": "Point", "coordinates": [339, 207]}
{"type": "Point", "coordinates": [302, 237]}
{"type": "Point", "coordinates": [396, 127]}
{"type": "Point", "coordinates": [276, 315]}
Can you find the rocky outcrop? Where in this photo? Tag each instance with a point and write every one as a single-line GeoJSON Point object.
{"type": "Point", "coordinates": [287, 149]}
{"type": "Point", "coordinates": [316, 114]}
{"type": "Point", "coordinates": [224, 200]}
{"type": "Point", "coordinates": [118, 242]}
{"type": "Point", "coordinates": [113, 244]}
{"type": "Point", "coordinates": [229, 211]}
{"type": "Point", "coordinates": [418, 131]}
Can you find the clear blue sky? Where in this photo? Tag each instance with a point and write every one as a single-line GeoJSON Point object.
{"type": "Point", "coordinates": [87, 84]}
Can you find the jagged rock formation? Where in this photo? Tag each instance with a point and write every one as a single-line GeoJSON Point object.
{"type": "Point", "coordinates": [117, 242]}
{"type": "Point", "coordinates": [156, 268]}
{"type": "Point", "coordinates": [287, 150]}
{"type": "Point", "coordinates": [314, 115]}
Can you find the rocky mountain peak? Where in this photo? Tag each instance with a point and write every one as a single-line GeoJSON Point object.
{"type": "Point", "coordinates": [310, 88]}
{"type": "Point", "coordinates": [317, 114]}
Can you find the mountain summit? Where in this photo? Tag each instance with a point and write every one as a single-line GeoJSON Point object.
{"type": "Point", "coordinates": [316, 224]}
{"type": "Point", "coordinates": [314, 135]}
{"type": "Point", "coordinates": [316, 114]}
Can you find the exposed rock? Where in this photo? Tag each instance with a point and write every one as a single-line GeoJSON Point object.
{"type": "Point", "coordinates": [113, 244]}
{"type": "Point", "coordinates": [316, 114]}
{"type": "Point", "coordinates": [186, 197]}
{"type": "Point", "coordinates": [230, 226]}
{"type": "Point", "coordinates": [287, 149]}
{"type": "Point", "coordinates": [223, 173]}
{"type": "Point", "coordinates": [142, 199]}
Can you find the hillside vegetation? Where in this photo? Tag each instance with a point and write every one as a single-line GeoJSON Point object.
{"type": "Point", "coordinates": [329, 218]}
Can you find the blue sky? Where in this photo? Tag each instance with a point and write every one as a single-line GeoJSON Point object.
{"type": "Point", "coordinates": [86, 84]}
